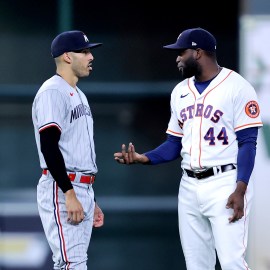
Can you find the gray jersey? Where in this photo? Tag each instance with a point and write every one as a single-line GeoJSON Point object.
{"type": "Point", "coordinates": [59, 105]}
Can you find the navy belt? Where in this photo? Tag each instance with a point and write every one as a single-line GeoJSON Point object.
{"type": "Point", "coordinates": [210, 172]}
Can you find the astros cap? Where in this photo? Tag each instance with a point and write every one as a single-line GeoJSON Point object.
{"type": "Point", "coordinates": [194, 38]}
{"type": "Point", "coordinates": [70, 41]}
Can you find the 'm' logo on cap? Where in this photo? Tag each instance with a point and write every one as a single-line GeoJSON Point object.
{"type": "Point", "coordinates": [85, 38]}
{"type": "Point", "coordinates": [194, 43]}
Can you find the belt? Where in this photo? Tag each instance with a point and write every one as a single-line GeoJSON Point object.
{"type": "Point", "coordinates": [86, 179]}
{"type": "Point", "coordinates": [210, 172]}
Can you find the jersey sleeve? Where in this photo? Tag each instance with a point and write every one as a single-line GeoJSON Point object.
{"type": "Point", "coordinates": [174, 125]}
{"type": "Point", "coordinates": [51, 109]}
{"type": "Point", "coordinates": [246, 109]}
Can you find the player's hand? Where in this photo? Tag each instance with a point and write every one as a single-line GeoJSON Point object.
{"type": "Point", "coordinates": [129, 156]}
{"type": "Point", "coordinates": [126, 156]}
{"type": "Point", "coordinates": [98, 217]}
{"type": "Point", "coordinates": [236, 202]}
{"type": "Point", "coordinates": [74, 208]}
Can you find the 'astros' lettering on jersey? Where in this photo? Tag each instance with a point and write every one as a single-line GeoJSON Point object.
{"type": "Point", "coordinates": [207, 122]}
{"type": "Point", "coordinates": [66, 108]}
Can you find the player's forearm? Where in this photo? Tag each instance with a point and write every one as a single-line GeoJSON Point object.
{"type": "Point", "coordinates": [245, 162]}
{"type": "Point", "coordinates": [53, 157]}
{"type": "Point", "coordinates": [143, 159]}
{"type": "Point", "coordinates": [247, 140]}
{"type": "Point", "coordinates": [241, 188]}
{"type": "Point", "coordinates": [167, 151]}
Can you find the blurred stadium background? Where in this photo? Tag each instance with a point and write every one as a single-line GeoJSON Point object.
{"type": "Point", "coordinates": [129, 92]}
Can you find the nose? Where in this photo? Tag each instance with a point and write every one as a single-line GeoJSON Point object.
{"type": "Point", "coordinates": [91, 57]}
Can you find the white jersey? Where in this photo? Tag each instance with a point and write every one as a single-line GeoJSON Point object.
{"type": "Point", "coordinates": [207, 122]}
{"type": "Point", "coordinates": [66, 108]}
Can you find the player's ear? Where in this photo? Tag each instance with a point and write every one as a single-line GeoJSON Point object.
{"type": "Point", "coordinates": [198, 53]}
{"type": "Point", "coordinates": [66, 57]}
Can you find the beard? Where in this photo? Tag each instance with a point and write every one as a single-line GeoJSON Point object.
{"type": "Point", "coordinates": [191, 68]}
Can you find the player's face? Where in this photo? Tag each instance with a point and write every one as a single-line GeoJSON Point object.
{"type": "Point", "coordinates": [82, 63]}
{"type": "Point", "coordinates": [187, 63]}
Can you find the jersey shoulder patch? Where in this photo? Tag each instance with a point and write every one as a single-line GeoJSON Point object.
{"type": "Point", "coordinates": [252, 109]}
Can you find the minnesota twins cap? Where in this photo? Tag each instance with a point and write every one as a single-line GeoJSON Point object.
{"type": "Point", "coordinates": [194, 38]}
{"type": "Point", "coordinates": [70, 41]}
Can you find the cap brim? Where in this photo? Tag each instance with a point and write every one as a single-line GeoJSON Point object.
{"type": "Point", "coordinates": [173, 47]}
{"type": "Point", "coordinates": [90, 45]}
{"type": "Point", "coordinates": [94, 45]}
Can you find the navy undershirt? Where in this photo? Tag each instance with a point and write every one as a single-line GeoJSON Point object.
{"type": "Point", "coordinates": [202, 85]}
{"type": "Point", "coordinates": [49, 139]}
{"type": "Point", "coordinates": [247, 142]}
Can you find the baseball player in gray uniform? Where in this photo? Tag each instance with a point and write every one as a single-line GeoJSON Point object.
{"type": "Point", "coordinates": [215, 117]}
{"type": "Point", "coordinates": [63, 126]}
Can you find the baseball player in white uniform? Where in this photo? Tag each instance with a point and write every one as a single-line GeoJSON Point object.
{"type": "Point", "coordinates": [63, 126]}
{"type": "Point", "coordinates": [213, 129]}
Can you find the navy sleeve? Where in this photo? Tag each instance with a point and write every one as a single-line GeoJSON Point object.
{"type": "Point", "coordinates": [247, 142]}
{"type": "Point", "coordinates": [167, 151]}
{"type": "Point", "coordinates": [49, 139]}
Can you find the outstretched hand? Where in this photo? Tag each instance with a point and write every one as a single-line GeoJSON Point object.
{"type": "Point", "coordinates": [129, 155]}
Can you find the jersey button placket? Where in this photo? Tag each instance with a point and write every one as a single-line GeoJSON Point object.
{"type": "Point", "coordinates": [195, 141]}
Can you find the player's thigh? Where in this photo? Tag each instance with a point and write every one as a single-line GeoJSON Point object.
{"type": "Point", "coordinates": [195, 230]}
{"type": "Point", "coordinates": [45, 200]}
{"type": "Point", "coordinates": [231, 238]}
{"type": "Point", "coordinates": [69, 243]}
{"type": "Point", "coordinates": [190, 217]}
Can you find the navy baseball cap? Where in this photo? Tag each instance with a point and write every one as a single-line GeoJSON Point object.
{"type": "Point", "coordinates": [71, 41]}
{"type": "Point", "coordinates": [194, 38]}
